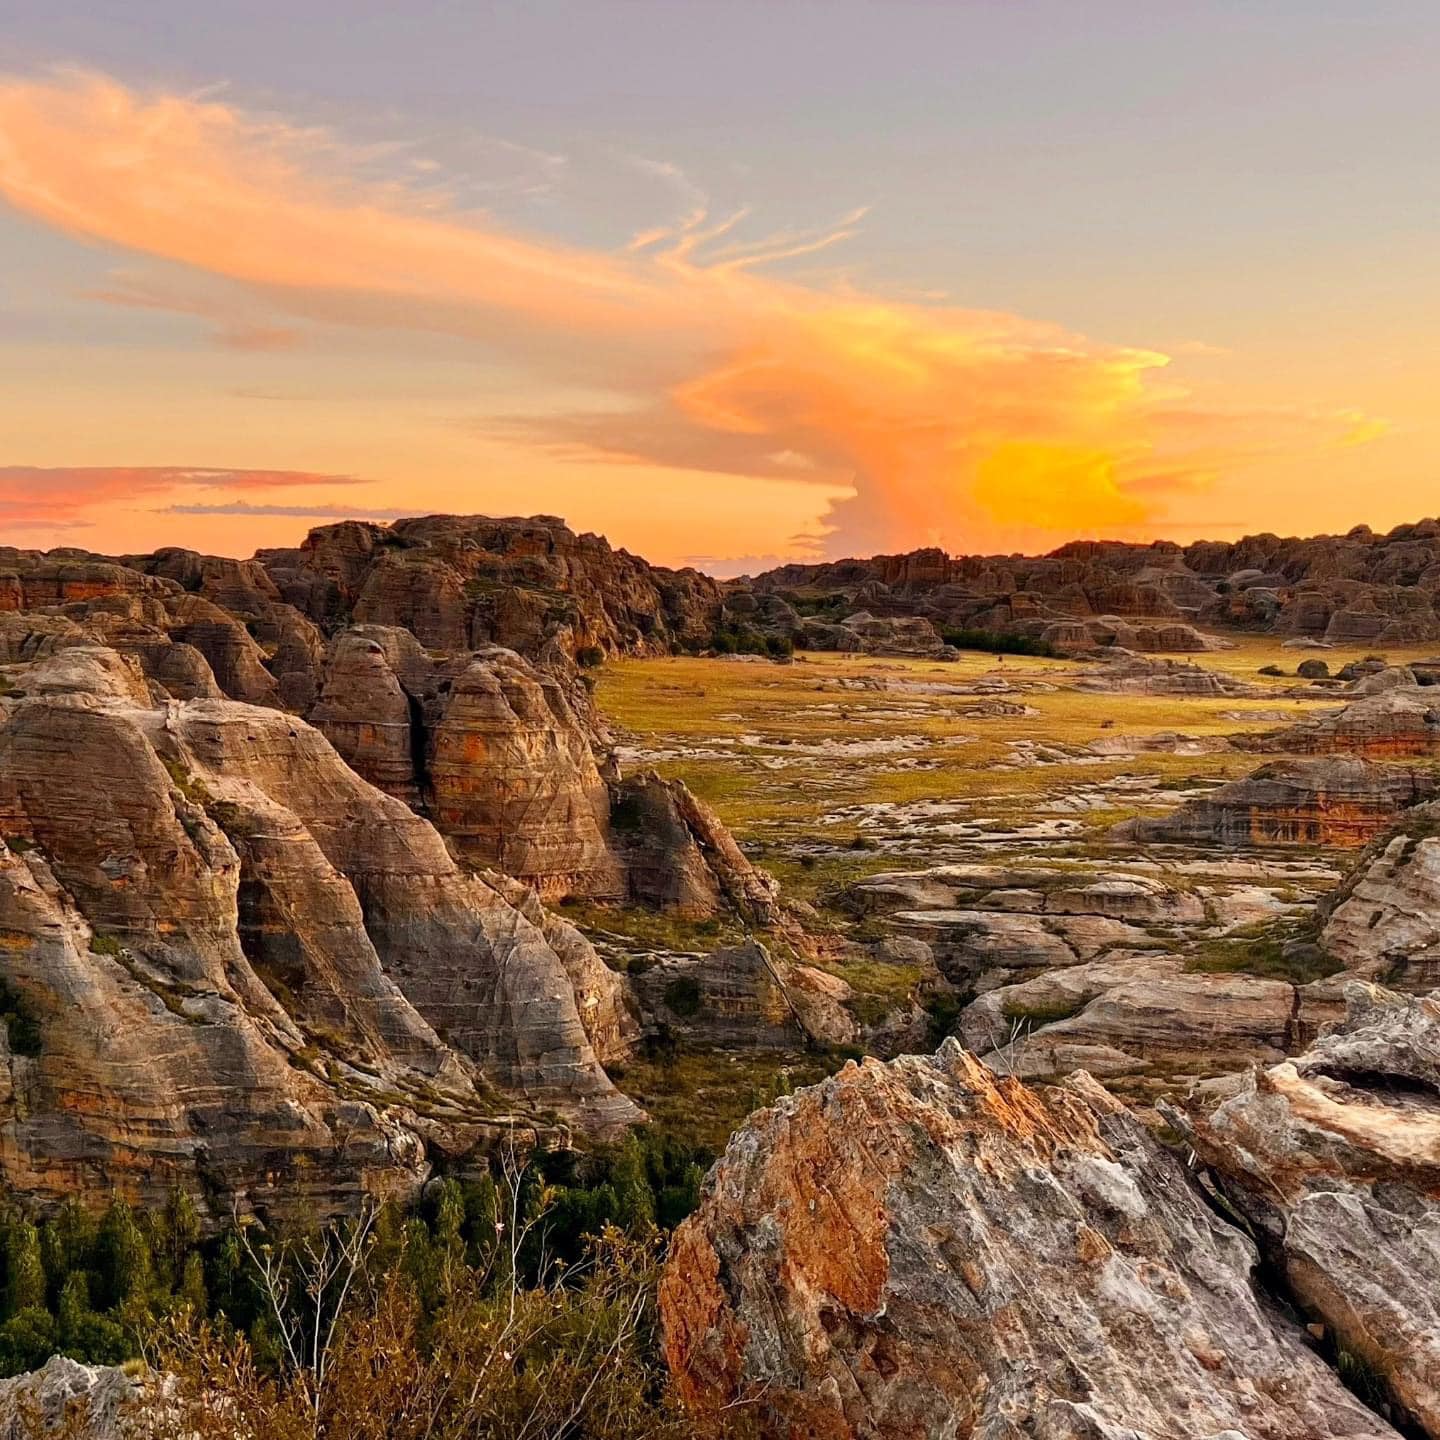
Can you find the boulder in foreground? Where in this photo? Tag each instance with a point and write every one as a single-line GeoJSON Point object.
{"type": "Point", "coordinates": [921, 1249]}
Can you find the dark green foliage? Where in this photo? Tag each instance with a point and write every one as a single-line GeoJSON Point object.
{"type": "Point", "coordinates": [683, 996]}
{"type": "Point", "coordinates": [995, 642]}
{"type": "Point", "coordinates": [1272, 670]}
{"type": "Point", "coordinates": [21, 1027]}
{"type": "Point", "coordinates": [589, 656]}
{"type": "Point", "coordinates": [106, 945]}
{"type": "Point", "coordinates": [92, 1286]}
{"type": "Point", "coordinates": [732, 638]}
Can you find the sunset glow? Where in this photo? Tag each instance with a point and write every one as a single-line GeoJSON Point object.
{"type": "Point", "coordinates": [258, 293]}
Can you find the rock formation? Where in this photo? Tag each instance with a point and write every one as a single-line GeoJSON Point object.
{"type": "Point", "coordinates": [1334, 1159]}
{"type": "Point", "coordinates": [1340, 801]}
{"type": "Point", "coordinates": [1383, 923]}
{"type": "Point", "coordinates": [463, 582]}
{"type": "Point", "coordinates": [64, 1398]}
{"type": "Point", "coordinates": [1343, 589]}
{"type": "Point", "coordinates": [235, 964]}
{"type": "Point", "coordinates": [918, 1248]}
{"type": "Point", "coordinates": [1399, 723]}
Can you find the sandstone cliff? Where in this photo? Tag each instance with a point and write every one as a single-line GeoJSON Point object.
{"type": "Point", "coordinates": [240, 966]}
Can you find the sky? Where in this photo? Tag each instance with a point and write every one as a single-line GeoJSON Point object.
{"type": "Point", "coordinates": [729, 281]}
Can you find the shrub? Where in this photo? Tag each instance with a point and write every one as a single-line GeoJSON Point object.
{"type": "Point", "coordinates": [683, 996]}
{"type": "Point", "coordinates": [996, 642]}
{"type": "Point", "coordinates": [589, 656]}
{"type": "Point", "coordinates": [21, 1028]}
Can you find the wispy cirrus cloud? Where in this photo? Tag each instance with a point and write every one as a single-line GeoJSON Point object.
{"type": "Point", "coordinates": [966, 427]}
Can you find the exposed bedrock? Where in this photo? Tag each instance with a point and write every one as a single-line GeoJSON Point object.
{"type": "Point", "coordinates": [1383, 922]}
{"type": "Point", "coordinates": [242, 967]}
{"type": "Point", "coordinates": [921, 1249]}
{"type": "Point", "coordinates": [1340, 801]}
{"type": "Point", "coordinates": [1334, 1159]}
{"type": "Point", "coordinates": [1400, 723]}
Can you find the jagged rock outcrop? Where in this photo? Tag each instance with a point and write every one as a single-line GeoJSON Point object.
{"type": "Point", "coordinates": [678, 855]}
{"type": "Point", "coordinates": [1334, 1159]}
{"type": "Point", "coordinates": [1343, 589]}
{"type": "Point", "coordinates": [70, 1400]}
{"type": "Point", "coordinates": [867, 634]}
{"type": "Point", "coordinates": [1383, 923]}
{"type": "Point", "coordinates": [920, 1248]}
{"type": "Point", "coordinates": [1341, 801]}
{"type": "Point", "coordinates": [1394, 724]}
{"type": "Point", "coordinates": [742, 997]}
{"type": "Point", "coordinates": [462, 582]}
{"type": "Point", "coordinates": [242, 968]}
{"type": "Point", "coordinates": [1127, 674]}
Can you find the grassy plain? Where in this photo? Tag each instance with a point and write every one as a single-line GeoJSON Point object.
{"type": "Point", "coordinates": [835, 767]}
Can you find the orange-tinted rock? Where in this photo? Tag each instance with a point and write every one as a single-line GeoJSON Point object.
{"type": "Point", "coordinates": [919, 1249]}
{"type": "Point", "coordinates": [1341, 801]}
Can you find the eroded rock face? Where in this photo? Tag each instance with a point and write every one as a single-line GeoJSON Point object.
{"type": "Point", "coordinates": [64, 1398]}
{"type": "Point", "coordinates": [1355, 588]}
{"type": "Point", "coordinates": [678, 855]}
{"type": "Point", "coordinates": [742, 997]}
{"type": "Point", "coordinates": [1383, 923]}
{"type": "Point", "coordinates": [461, 582]}
{"type": "Point", "coordinates": [1334, 1158]}
{"type": "Point", "coordinates": [1395, 724]}
{"type": "Point", "coordinates": [238, 958]}
{"type": "Point", "coordinates": [1340, 801]}
{"type": "Point", "coordinates": [917, 1248]}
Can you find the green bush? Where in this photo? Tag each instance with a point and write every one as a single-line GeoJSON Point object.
{"type": "Point", "coordinates": [995, 642]}
{"type": "Point", "coordinates": [683, 996]}
{"type": "Point", "coordinates": [589, 656]}
{"type": "Point", "coordinates": [22, 1030]}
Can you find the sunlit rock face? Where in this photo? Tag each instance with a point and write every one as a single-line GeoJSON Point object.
{"type": "Point", "coordinates": [461, 582]}
{"type": "Point", "coordinates": [1401, 723]}
{"type": "Point", "coordinates": [919, 1248]}
{"type": "Point", "coordinates": [1334, 801]}
{"type": "Point", "coordinates": [243, 968]}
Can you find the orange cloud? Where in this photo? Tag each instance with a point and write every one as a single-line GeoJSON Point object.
{"type": "Point", "coordinates": [36, 497]}
{"type": "Point", "coordinates": [970, 428]}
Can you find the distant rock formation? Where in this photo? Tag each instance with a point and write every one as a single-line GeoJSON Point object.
{"type": "Point", "coordinates": [464, 582]}
{"type": "Point", "coordinates": [1402, 723]}
{"type": "Point", "coordinates": [920, 1249]}
{"type": "Point", "coordinates": [1341, 800]}
{"type": "Point", "coordinates": [1358, 588]}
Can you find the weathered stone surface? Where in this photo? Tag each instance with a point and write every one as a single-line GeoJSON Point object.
{"type": "Point", "coordinates": [1334, 1158]}
{"type": "Point", "coordinates": [742, 997]}
{"type": "Point", "coordinates": [1340, 801]}
{"type": "Point", "coordinates": [65, 1398]}
{"type": "Point", "coordinates": [1394, 724]}
{"type": "Point", "coordinates": [1383, 923]}
{"type": "Point", "coordinates": [1128, 674]}
{"type": "Point", "coordinates": [513, 782]}
{"type": "Point", "coordinates": [678, 855]}
{"type": "Point", "coordinates": [1144, 1012]}
{"type": "Point", "coordinates": [468, 581]}
{"type": "Point", "coordinates": [237, 953]}
{"type": "Point", "coordinates": [920, 1249]}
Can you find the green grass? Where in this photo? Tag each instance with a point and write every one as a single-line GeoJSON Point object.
{"type": "Point", "coordinates": [701, 1096]}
